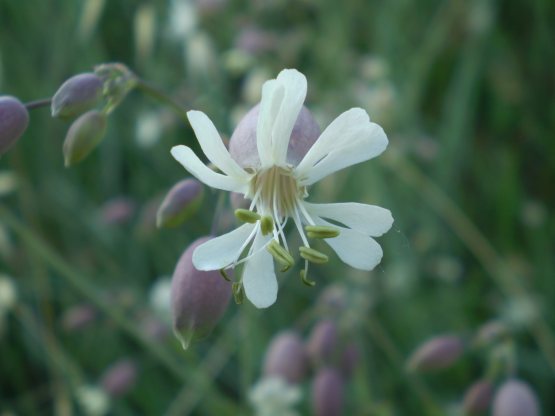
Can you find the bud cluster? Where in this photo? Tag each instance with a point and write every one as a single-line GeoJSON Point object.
{"type": "Point", "coordinates": [498, 389]}
{"type": "Point", "coordinates": [85, 99]}
{"type": "Point", "coordinates": [326, 356]}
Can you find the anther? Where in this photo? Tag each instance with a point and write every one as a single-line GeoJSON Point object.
{"type": "Point", "coordinates": [244, 215]}
{"type": "Point", "coordinates": [312, 255]}
{"type": "Point", "coordinates": [238, 292]}
{"type": "Point", "coordinates": [281, 255]}
{"type": "Point", "coordinates": [266, 225]}
{"type": "Point", "coordinates": [224, 275]}
{"type": "Point", "coordinates": [321, 231]}
{"type": "Point", "coordinates": [306, 280]}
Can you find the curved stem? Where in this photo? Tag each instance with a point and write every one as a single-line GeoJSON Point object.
{"type": "Point", "coordinates": [477, 243]}
{"type": "Point", "coordinates": [43, 102]}
{"type": "Point", "coordinates": [158, 95]}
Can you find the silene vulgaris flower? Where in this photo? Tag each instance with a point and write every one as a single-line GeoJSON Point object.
{"type": "Point", "coordinates": [275, 155]}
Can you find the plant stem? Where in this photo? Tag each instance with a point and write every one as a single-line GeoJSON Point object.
{"type": "Point", "coordinates": [43, 102]}
{"type": "Point", "coordinates": [158, 95]}
{"type": "Point", "coordinates": [476, 243]}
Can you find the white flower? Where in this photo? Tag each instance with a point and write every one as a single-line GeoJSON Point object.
{"type": "Point", "coordinates": [274, 397]}
{"type": "Point", "coordinates": [278, 188]}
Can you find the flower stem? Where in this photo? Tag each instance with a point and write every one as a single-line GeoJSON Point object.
{"type": "Point", "coordinates": [43, 102]}
{"type": "Point", "coordinates": [160, 96]}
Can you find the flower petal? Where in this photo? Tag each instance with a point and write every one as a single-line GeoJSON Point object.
{"type": "Point", "coordinates": [203, 173]}
{"type": "Point", "coordinates": [351, 138]}
{"type": "Point", "coordinates": [213, 146]}
{"type": "Point", "coordinates": [367, 219]}
{"type": "Point", "coordinates": [355, 249]}
{"type": "Point", "coordinates": [259, 278]}
{"type": "Point", "coordinates": [221, 251]}
{"type": "Point", "coordinates": [371, 142]}
{"type": "Point", "coordinates": [295, 87]}
{"type": "Point", "coordinates": [272, 96]}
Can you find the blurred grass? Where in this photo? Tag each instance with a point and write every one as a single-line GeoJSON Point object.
{"type": "Point", "coordinates": [468, 177]}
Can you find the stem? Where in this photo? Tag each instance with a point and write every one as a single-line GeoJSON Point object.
{"type": "Point", "coordinates": [477, 244]}
{"type": "Point", "coordinates": [158, 95]}
{"type": "Point", "coordinates": [43, 102]}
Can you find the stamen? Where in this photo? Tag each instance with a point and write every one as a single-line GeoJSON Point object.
{"type": "Point", "coordinates": [224, 275]}
{"type": "Point", "coordinates": [298, 223]}
{"type": "Point", "coordinates": [251, 253]}
{"type": "Point", "coordinates": [321, 231]}
{"type": "Point", "coordinates": [245, 215]}
{"type": "Point", "coordinates": [238, 292]}
{"type": "Point", "coordinates": [312, 255]}
{"type": "Point", "coordinates": [305, 213]}
{"type": "Point", "coordinates": [266, 225]}
{"type": "Point", "coordinates": [280, 255]}
{"type": "Point", "coordinates": [246, 243]}
{"type": "Point", "coordinates": [306, 280]}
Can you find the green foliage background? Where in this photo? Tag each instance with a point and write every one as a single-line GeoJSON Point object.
{"type": "Point", "coordinates": [467, 103]}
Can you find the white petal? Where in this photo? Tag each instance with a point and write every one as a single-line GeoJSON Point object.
{"type": "Point", "coordinates": [369, 144]}
{"type": "Point", "coordinates": [367, 219]}
{"type": "Point", "coordinates": [355, 249]}
{"type": "Point", "coordinates": [344, 129]}
{"type": "Point", "coordinates": [272, 96]}
{"type": "Point", "coordinates": [221, 251]}
{"type": "Point", "coordinates": [203, 173]}
{"type": "Point", "coordinates": [295, 87]}
{"type": "Point", "coordinates": [213, 146]}
{"type": "Point", "coordinates": [259, 278]}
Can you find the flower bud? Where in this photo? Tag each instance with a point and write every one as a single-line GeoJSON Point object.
{"type": "Point", "coordinates": [322, 343]}
{"type": "Point", "coordinates": [349, 359]}
{"type": "Point", "coordinates": [78, 94]}
{"type": "Point", "coordinates": [286, 357]}
{"type": "Point", "coordinates": [242, 144]}
{"type": "Point", "coordinates": [478, 398]}
{"type": "Point", "coordinates": [14, 120]}
{"type": "Point", "coordinates": [327, 393]}
{"type": "Point", "coordinates": [238, 201]}
{"type": "Point", "coordinates": [490, 332]}
{"type": "Point", "coordinates": [436, 354]}
{"type": "Point", "coordinates": [78, 317]}
{"type": "Point", "coordinates": [119, 378]}
{"type": "Point", "coordinates": [117, 210]}
{"type": "Point", "coordinates": [199, 298]}
{"type": "Point", "coordinates": [83, 136]}
{"type": "Point", "coordinates": [180, 203]}
{"type": "Point", "coordinates": [117, 82]}
{"type": "Point", "coordinates": [515, 398]}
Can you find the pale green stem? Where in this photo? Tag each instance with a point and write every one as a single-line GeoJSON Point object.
{"type": "Point", "coordinates": [476, 243]}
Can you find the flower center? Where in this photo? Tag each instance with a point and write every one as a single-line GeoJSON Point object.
{"type": "Point", "coordinates": [276, 191]}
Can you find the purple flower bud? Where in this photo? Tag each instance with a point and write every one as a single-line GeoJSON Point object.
{"type": "Point", "coordinates": [154, 328]}
{"type": "Point", "coordinates": [117, 211]}
{"type": "Point", "coordinates": [119, 378]}
{"type": "Point", "coordinates": [83, 136]}
{"type": "Point", "coordinates": [349, 359]}
{"type": "Point", "coordinates": [199, 299]}
{"type": "Point", "coordinates": [78, 317]}
{"type": "Point", "coordinates": [255, 41]}
{"type": "Point", "coordinates": [180, 203]}
{"type": "Point", "coordinates": [78, 94]}
{"type": "Point", "coordinates": [515, 398]}
{"type": "Point", "coordinates": [323, 343]}
{"type": "Point", "coordinates": [436, 353]}
{"type": "Point", "coordinates": [14, 120]}
{"type": "Point", "coordinates": [478, 398]}
{"type": "Point", "coordinates": [238, 201]}
{"type": "Point", "coordinates": [242, 144]}
{"type": "Point", "coordinates": [327, 393]}
{"type": "Point", "coordinates": [286, 357]}
{"type": "Point", "coordinates": [490, 333]}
